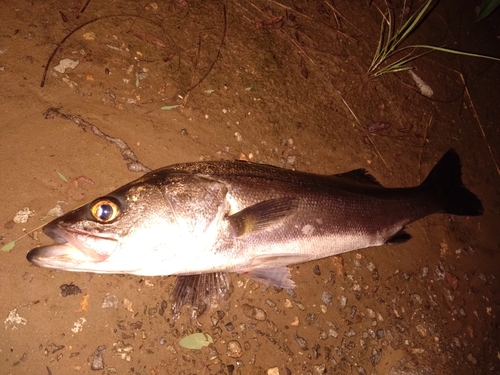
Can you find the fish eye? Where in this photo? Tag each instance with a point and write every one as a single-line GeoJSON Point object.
{"type": "Point", "coordinates": [105, 210]}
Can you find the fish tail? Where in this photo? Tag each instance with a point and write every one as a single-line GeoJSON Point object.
{"type": "Point", "coordinates": [446, 179]}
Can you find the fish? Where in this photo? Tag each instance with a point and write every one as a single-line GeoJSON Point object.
{"type": "Point", "coordinates": [203, 220]}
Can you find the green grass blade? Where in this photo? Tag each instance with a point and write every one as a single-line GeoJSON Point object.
{"type": "Point", "coordinates": [487, 7]}
{"type": "Point", "coordinates": [448, 50]}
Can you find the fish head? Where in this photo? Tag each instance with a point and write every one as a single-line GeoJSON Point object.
{"type": "Point", "coordinates": [143, 228]}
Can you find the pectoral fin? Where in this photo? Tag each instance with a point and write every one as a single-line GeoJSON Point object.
{"type": "Point", "coordinates": [262, 215]}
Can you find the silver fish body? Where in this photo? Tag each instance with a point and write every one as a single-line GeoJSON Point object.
{"type": "Point", "coordinates": [233, 216]}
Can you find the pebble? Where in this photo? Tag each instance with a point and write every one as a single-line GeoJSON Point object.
{"type": "Point", "coordinates": [301, 342]}
{"type": "Point", "coordinates": [300, 306]}
{"type": "Point", "coordinates": [471, 359]}
{"type": "Point", "coordinates": [417, 298]}
{"type": "Point", "coordinates": [254, 312]}
{"type": "Point", "coordinates": [326, 298]}
{"type": "Point", "coordinates": [320, 369]}
{"type": "Point", "coordinates": [353, 311]}
{"type": "Point", "coordinates": [234, 349]}
{"type": "Point", "coordinates": [375, 357]}
{"type": "Point", "coordinates": [273, 371]}
{"type": "Point", "coordinates": [98, 360]}
{"type": "Point", "coordinates": [316, 270]}
{"type": "Point", "coordinates": [350, 333]}
{"type": "Point", "coordinates": [270, 303]}
{"type": "Point", "coordinates": [66, 64]}
{"type": "Point", "coordinates": [23, 215]}
{"type": "Point", "coordinates": [310, 318]}
{"type": "Point", "coordinates": [342, 302]}
{"type": "Point", "coordinates": [360, 370]}
{"type": "Point", "coordinates": [109, 301]}
{"type": "Point", "coordinates": [439, 272]}
{"type": "Point", "coordinates": [425, 271]}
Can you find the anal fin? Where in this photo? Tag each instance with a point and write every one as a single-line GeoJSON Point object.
{"type": "Point", "coordinates": [272, 269]}
{"type": "Point", "coordinates": [398, 238]}
{"type": "Point", "coordinates": [277, 276]}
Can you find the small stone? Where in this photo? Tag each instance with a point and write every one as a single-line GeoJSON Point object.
{"type": "Point", "coordinates": [300, 306]}
{"type": "Point", "coordinates": [360, 370]}
{"type": "Point", "coordinates": [254, 312]}
{"type": "Point", "coordinates": [320, 369]}
{"type": "Point", "coordinates": [22, 216]}
{"type": "Point", "coordinates": [238, 137]}
{"type": "Point", "coordinates": [273, 371]}
{"type": "Point", "coordinates": [371, 267]}
{"type": "Point", "coordinates": [342, 302]}
{"type": "Point", "coordinates": [315, 351]}
{"type": "Point", "coordinates": [109, 301]}
{"type": "Point", "coordinates": [310, 318]}
{"type": "Point", "coordinates": [350, 333]}
{"type": "Point", "coordinates": [326, 298]}
{"type": "Point", "coordinates": [425, 271]}
{"type": "Point", "coordinates": [288, 303]}
{"type": "Point", "coordinates": [234, 349]}
{"type": "Point", "coordinates": [66, 64]}
{"type": "Point", "coordinates": [439, 272]}
{"type": "Point", "coordinates": [380, 333]}
{"type": "Point", "coordinates": [316, 270]}
{"type": "Point", "coordinates": [471, 359]}
{"type": "Point", "coordinates": [69, 289]}
{"type": "Point", "coordinates": [353, 311]}
{"type": "Point", "coordinates": [270, 303]}
{"type": "Point", "coordinates": [301, 342]}
{"type": "Point", "coordinates": [98, 360]}
{"type": "Point", "coordinates": [417, 298]}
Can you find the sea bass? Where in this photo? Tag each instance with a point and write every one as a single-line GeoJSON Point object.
{"type": "Point", "coordinates": [200, 220]}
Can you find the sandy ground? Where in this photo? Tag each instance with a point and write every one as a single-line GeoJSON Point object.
{"type": "Point", "coordinates": [276, 82]}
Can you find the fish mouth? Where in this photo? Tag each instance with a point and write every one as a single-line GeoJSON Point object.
{"type": "Point", "coordinates": [74, 248]}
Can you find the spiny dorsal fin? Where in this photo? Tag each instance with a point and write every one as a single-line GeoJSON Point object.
{"type": "Point", "coordinates": [262, 215]}
{"type": "Point", "coordinates": [359, 176]}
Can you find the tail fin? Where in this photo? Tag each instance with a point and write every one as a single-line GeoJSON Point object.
{"type": "Point", "coordinates": [446, 178]}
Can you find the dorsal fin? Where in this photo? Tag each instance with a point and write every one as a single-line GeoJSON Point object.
{"type": "Point", "coordinates": [359, 176]}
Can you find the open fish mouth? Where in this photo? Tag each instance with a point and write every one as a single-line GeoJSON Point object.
{"type": "Point", "coordinates": [74, 247]}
